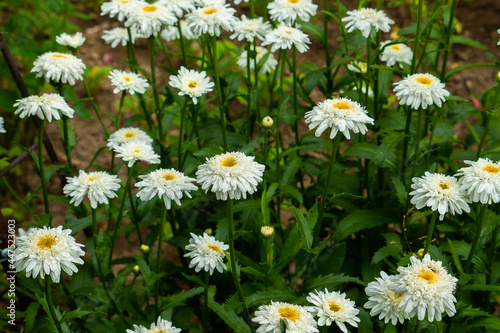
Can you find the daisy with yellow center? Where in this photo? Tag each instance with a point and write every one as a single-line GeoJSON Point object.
{"type": "Point", "coordinates": [395, 53]}
{"type": "Point", "coordinates": [288, 11]}
{"type": "Point", "coordinates": [46, 251]}
{"type": "Point", "coordinates": [285, 37]}
{"type": "Point", "coordinates": [481, 180]}
{"type": "Point", "coordinates": [425, 287]}
{"type": "Point", "coordinates": [171, 33]}
{"type": "Point", "coordinates": [127, 134]}
{"type": "Point", "coordinates": [421, 90]}
{"type": "Point", "coordinates": [296, 318]}
{"type": "Point", "coordinates": [136, 150]}
{"type": "Point", "coordinates": [97, 185]}
{"type": "Point", "coordinates": [339, 114]}
{"type": "Point", "coordinates": [127, 81]}
{"type": "Point", "coordinates": [265, 68]}
{"type": "Point", "coordinates": [251, 28]}
{"type": "Point", "coordinates": [333, 307]}
{"type": "Point", "coordinates": [191, 83]}
{"type": "Point", "coordinates": [366, 19]}
{"type": "Point", "coordinates": [148, 19]}
{"type": "Point", "coordinates": [47, 106]}
{"type": "Point", "coordinates": [383, 301]}
{"type": "Point", "coordinates": [230, 175]}
{"type": "Point", "coordinates": [161, 326]}
{"type": "Point", "coordinates": [267, 231]}
{"type": "Point", "coordinates": [168, 184]}
{"type": "Point", "coordinates": [206, 253]}
{"type": "Point", "coordinates": [59, 67]}
{"type": "Point", "coordinates": [439, 192]}
{"type": "Point", "coordinates": [122, 8]}
{"type": "Point", "coordinates": [211, 17]}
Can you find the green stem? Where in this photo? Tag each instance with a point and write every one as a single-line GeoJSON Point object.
{"type": "Point", "coordinates": [66, 140]}
{"type": "Point", "coordinates": [430, 232]}
{"type": "Point", "coordinates": [181, 41]}
{"type": "Point", "coordinates": [232, 255]}
{"type": "Point", "coordinates": [449, 32]}
{"type": "Point", "coordinates": [42, 169]}
{"type": "Point", "coordinates": [158, 257]}
{"type": "Point", "coordinates": [95, 108]}
{"type": "Point", "coordinates": [219, 93]}
{"type": "Point", "coordinates": [205, 304]}
{"type": "Point", "coordinates": [491, 260]}
{"type": "Point", "coordinates": [179, 148]}
{"type": "Point", "coordinates": [48, 297]}
{"type": "Point", "coordinates": [120, 215]}
{"type": "Point", "coordinates": [277, 140]}
{"type": "Point", "coordinates": [416, 159]}
{"type": "Point", "coordinates": [120, 109]}
{"type": "Point", "coordinates": [406, 141]}
{"type": "Point", "coordinates": [256, 80]}
{"type": "Point", "coordinates": [295, 99]}
{"type": "Point", "coordinates": [416, 42]}
{"type": "Point", "coordinates": [326, 19]}
{"type": "Point", "coordinates": [479, 222]}
{"type": "Point", "coordinates": [161, 138]}
{"type": "Point", "coordinates": [249, 89]}
{"type": "Point", "coordinates": [333, 158]}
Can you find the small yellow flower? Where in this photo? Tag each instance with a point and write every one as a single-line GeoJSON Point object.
{"type": "Point", "coordinates": [145, 248]}
{"type": "Point", "coordinates": [267, 122]}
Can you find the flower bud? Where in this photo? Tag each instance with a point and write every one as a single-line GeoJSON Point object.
{"type": "Point", "coordinates": [498, 77]}
{"type": "Point", "coordinates": [145, 248]}
{"type": "Point", "coordinates": [136, 269]}
{"type": "Point", "coordinates": [267, 232]}
{"type": "Point", "coordinates": [209, 231]}
{"type": "Point", "coordinates": [267, 122]}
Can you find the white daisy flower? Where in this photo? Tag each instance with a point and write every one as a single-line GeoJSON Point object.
{"type": "Point", "coordinates": [136, 150]}
{"type": "Point", "coordinates": [45, 106]}
{"type": "Point", "coordinates": [230, 175]}
{"type": "Point", "coordinates": [481, 180]}
{"type": "Point", "coordinates": [168, 184]}
{"type": "Point", "coordinates": [119, 35]}
{"type": "Point", "coordinates": [421, 90]}
{"type": "Point", "coordinates": [249, 29]}
{"type": "Point", "coordinates": [206, 253]}
{"type": "Point", "coordinates": [2, 126]}
{"type": "Point", "coordinates": [46, 251]}
{"type": "Point", "coordinates": [365, 19]}
{"type": "Point", "coordinates": [267, 231]}
{"type": "Point", "coordinates": [296, 318]}
{"type": "Point", "coordinates": [122, 8]}
{"type": "Point", "coordinates": [191, 82]}
{"type": "Point", "coordinates": [171, 32]}
{"type": "Point", "coordinates": [358, 67]}
{"type": "Point", "coordinates": [439, 192]}
{"type": "Point", "coordinates": [124, 81]}
{"type": "Point", "coordinates": [74, 41]}
{"type": "Point", "coordinates": [59, 67]}
{"type": "Point", "coordinates": [97, 185]}
{"type": "Point", "coordinates": [384, 301]}
{"type": "Point", "coordinates": [288, 11]}
{"type": "Point", "coordinates": [333, 307]}
{"type": "Point", "coordinates": [266, 67]}
{"type": "Point", "coordinates": [128, 134]}
{"type": "Point", "coordinates": [178, 6]}
{"type": "Point", "coordinates": [340, 114]}
{"type": "Point", "coordinates": [148, 19]}
{"type": "Point", "coordinates": [284, 37]}
{"type": "Point", "coordinates": [161, 326]}
{"type": "Point", "coordinates": [395, 53]}
{"type": "Point", "coordinates": [211, 17]}
{"type": "Point", "coordinates": [425, 286]}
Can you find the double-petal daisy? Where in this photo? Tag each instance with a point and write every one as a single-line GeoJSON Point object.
{"type": "Point", "coordinates": [421, 90]}
{"type": "Point", "coordinates": [161, 326]}
{"type": "Point", "coordinates": [127, 81]}
{"type": "Point", "coordinates": [191, 83]}
{"type": "Point", "coordinates": [250, 28]}
{"type": "Point", "coordinates": [211, 17]}
{"type": "Point", "coordinates": [73, 41]}
{"type": "Point", "coordinates": [395, 53]}
{"type": "Point", "coordinates": [230, 175]}
{"type": "Point", "coordinates": [97, 185]}
{"type": "Point", "coordinates": [296, 318]}
{"type": "Point", "coordinates": [119, 35]}
{"type": "Point", "coordinates": [366, 19]}
{"type": "Point", "coordinates": [284, 37]}
{"type": "Point", "coordinates": [148, 19]}
{"type": "Point", "coordinates": [59, 67]}
{"type": "Point", "coordinates": [46, 251]}
{"type": "Point", "coordinates": [439, 192]}
{"type": "Point", "coordinates": [333, 307]}
{"type": "Point", "coordinates": [171, 32]}
{"type": "Point", "coordinates": [169, 184]}
{"type": "Point", "coordinates": [206, 253]}
{"type": "Point", "coordinates": [137, 150]}
{"type": "Point", "coordinates": [122, 8]}
{"type": "Point", "coordinates": [481, 180]}
{"type": "Point", "coordinates": [178, 7]}
{"type": "Point", "coordinates": [339, 114]}
{"type": "Point", "coordinates": [288, 11]}
{"type": "Point", "coordinates": [45, 106]}
{"type": "Point", "coordinates": [128, 134]}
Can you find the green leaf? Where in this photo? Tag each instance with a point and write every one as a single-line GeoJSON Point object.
{"type": "Point", "coordinates": [229, 317]}
{"type": "Point", "coordinates": [460, 39]}
{"type": "Point", "coordinates": [148, 276]}
{"type": "Point", "coordinates": [479, 286]}
{"type": "Point", "coordinates": [314, 30]}
{"type": "Point", "coordinates": [490, 322]}
{"type": "Point", "coordinates": [265, 297]}
{"type": "Point", "coordinates": [44, 219]}
{"type": "Point", "coordinates": [362, 150]}
{"type": "Point", "coordinates": [290, 170]}
{"type": "Point", "coordinates": [384, 252]}
{"type": "Point", "coordinates": [473, 132]}
{"type": "Point", "coordinates": [292, 191]}
{"type": "Point", "coordinates": [79, 224]}
{"type": "Point", "coordinates": [67, 316]}
{"type": "Point", "coordinates": [331, 281]}
{"type": "Point", "coordinates": [401, 192]}
{"type": "Point", "coordinates": [176, 299]}
{"type": "Point", "coordinates": [363, 219]}
{"type": "Point", "coordinates": [303, 225]}
{"type": "Point", "coordinates": [30, 315]}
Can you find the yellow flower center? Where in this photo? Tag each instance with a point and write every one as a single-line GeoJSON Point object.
{"type": "Point", "coordinates": [168, 176]}
{"type": "Point", "coordinates": [293, 1]}
{"type": "Point", "coordinates": [46, 242]}
{"type": "Point", "coordinates": [228, 162]}
{"type": "Point", "coordinates": [289, 313]}
{"type": "Point", "coordinates": [334, 306]}
{"type": "Point", "coordinates": [444, 185]}
{"type": "Point", "coordinates": [137, 150]}
{"type": "Point", "coordinates": [491, 168]}
{"type": "Point", "coordinates": [209, 11]}
{"type": "Point", "coordinates": [150, 9]}
{"type": "Point", "coordinates": [192, 84]}
{"type": "Point", "coordinates": [59, 56]}
{"type": "Point", "coordinates": [91, 178]}
{"type": "Point", "coordinates": [395, 47]}
{"type": "Point", "coordinates": [124, 1]}
{"type": "Point", "coordinates": [259, 53]}
{"type": "Point", "coordinates": [343, 105]}
{"type": "Point", "coordinates": [423, 80]}
{"type": "Point", "coordinates": [395, 296]}
{"type": "Point", "coordinates": [215, 248]}
{"type": "Point", "coordinates": [428, 276]}
{"type": "Point", "coordinates": [126, 78]}
{"type": "Point", "coordinates": [129, 135]}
